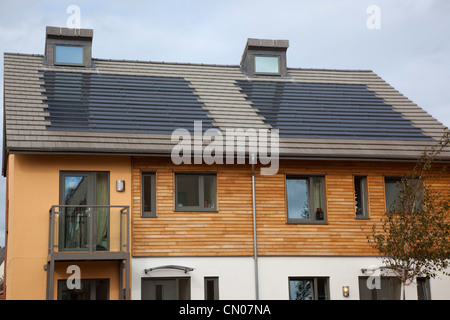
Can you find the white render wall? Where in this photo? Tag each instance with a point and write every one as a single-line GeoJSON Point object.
{"type": "Point", "coordinates": [236, 280]}
{"type": "Point", "coordinates": [236, 275]}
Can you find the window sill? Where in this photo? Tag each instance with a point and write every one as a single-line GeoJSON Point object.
{"type": "Point", "coordinates": [149, 216]}
{"type": "Point", "coordinates": [195, 210]}
{"type": "Point", "coordinates": [298, 221]}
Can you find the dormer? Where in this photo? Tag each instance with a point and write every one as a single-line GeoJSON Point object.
{"type": "Point", "coordinates": [265, 57]}
{"type": "Point", "coordinates": [68, 47]}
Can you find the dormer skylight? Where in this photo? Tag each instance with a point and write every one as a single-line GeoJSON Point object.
{"type": "Point", "coordinates": [265, 57]}
{"type": "Point", "coordinates": [68, 47]}
{"type": "Point", "coordinates": [267, 64]}
{"type": "Point", "coordinates": [69, 54]}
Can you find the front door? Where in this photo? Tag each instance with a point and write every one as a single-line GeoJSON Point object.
{"type": "Point", "coordinates": [79, 190]}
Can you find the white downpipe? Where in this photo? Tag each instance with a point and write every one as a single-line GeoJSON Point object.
{"type": "Point", "coordinates": [255, 244]}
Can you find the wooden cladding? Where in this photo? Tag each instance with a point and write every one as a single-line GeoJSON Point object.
{"type": "Point", "coordinates": [229, 229]}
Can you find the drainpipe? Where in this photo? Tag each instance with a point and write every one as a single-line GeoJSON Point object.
{"type": "Point", "coordinates": [255, 244]}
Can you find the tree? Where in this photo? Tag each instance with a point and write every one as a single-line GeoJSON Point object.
{"type": "Point", "coordinates": [413, 237]}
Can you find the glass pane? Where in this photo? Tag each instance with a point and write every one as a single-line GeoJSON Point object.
{"type": "Point", "coordinates": [365, 293]}
{"type": "Point", "coordinates": [184, 289]}
{"type": "Point", "coordinates": [101, 289]}
{"type": "Point", "coordinates": [390, 289]}
{"type": "Point", "coordinates": [147, 192]}
{"type": "Point", "coordinates": [89, 290]}
{"type": "Point", "coordinates": [322, 289]}
{"type": "Point", "coordinates": [188, 191]}
{"type": "Point", "coordinates": [209, 182]}
{"type": "Point", "coordinates": [75, 190]}
{"type": "Point", "coordinates": [319, 197]}
{"type": "Point", "coordinates": [158, 292]}
{"type": "Point", "coordinates": [301, 289]}
{"type": "Point", "coordinates": [69, 54]}
{"type": "Point", "coordinates": [74, 220]}
{"type": "Point", "coordinates": [102, 213]}
{"type": "Point", "coordinates": [159, 289]}
{"type": "Point", "coordinates": [423, 289]}
{"type": "Point", "coordinates": [297, 198]}
{"type": "Point", "coordinates": [209, 295]}
{"type": "Point", "coordinates": [84, 293]}
{"type": "Point", "coordinates": [360, 183]}
{"type": "Point", "coordinates": [267, 64]}
{"type": "Point", "coordinates": [392, 190]}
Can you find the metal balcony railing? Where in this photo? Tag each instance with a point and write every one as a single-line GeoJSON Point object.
{"type": "Point", "coordinates": [89, 229]}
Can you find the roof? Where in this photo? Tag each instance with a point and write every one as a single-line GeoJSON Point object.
{"type": "Point", "coordinates": [131, 107]}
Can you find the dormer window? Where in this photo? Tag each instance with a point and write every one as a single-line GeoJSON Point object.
{"type": "Point", "coordinates": [265, 57]}
{"type": "Point", "coordinates": [267, 64]}
{"type": "Point", "coordinates": [68, 47]}
{"type": "Point", "coordinates": [69, 55]}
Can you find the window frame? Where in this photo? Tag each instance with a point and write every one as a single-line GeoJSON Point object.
{"type": "Point", "coordinates": [215, 292]}
{"type": "Point", "coordinates": [201, 192]}
{"type": "Point", "coordinates": [266, 56]}
{"type": "Point", "coordinates": [314, 289]}
{"type": "Point", "coordinates": [312, 214]}
{"type": "Point", "coordinates": [152, 213]}
{"type": "Point", "coordinates": [425, 286]}
{"type": "Point", "coordinates": [91, 193]}
{"type": "Point", "coordinates": [50, 53]}
{"type": "Point", "coordinates": [364, 186]}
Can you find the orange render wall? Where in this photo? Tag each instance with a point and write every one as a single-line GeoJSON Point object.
{"type": "Point", "coordinates": [33, 186]}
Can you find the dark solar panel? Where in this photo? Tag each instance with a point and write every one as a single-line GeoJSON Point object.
{"type": "Point", "coordinates": [121, 103]}
{"type": "Point", "coordinates": [318, 110]}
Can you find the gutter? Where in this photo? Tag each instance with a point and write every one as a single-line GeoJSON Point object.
{"type": "Point", "coordinates": [255, 243]}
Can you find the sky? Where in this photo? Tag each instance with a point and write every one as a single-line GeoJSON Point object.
{"type": "Point", "coordinates": [405, 42]}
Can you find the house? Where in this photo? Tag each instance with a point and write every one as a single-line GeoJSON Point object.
{"type": "Point", "coordinates": [2, 272]}
{"type": "Point", "coordinates": [151, 180]}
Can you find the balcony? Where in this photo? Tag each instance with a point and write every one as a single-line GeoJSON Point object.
{"type": "Point", "coordinates": [88, 229]}
{"type": "Point", "coordinates": [89, 233]}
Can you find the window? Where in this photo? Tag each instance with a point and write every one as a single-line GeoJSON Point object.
{"type": "Point", "coordinates": [389, 288]}
{"type": "Point", "coordinates": [165, 289]}
{"type": "Point", "coordinates": [305, 199]}
{"type": "Point", "coordinates": [392, 190]}
{"type": "Point", "coordinates": [361, 197]}
{"type": "Point", "coordinates": [211, 288]}
{"type": "Point", "coordinates": [423, 289]}
{"type": "Point", "coordinates": [267, 64]}
{"type": "Point", "coordinates": [78, 190]}
{"type": "Point", "coordinates": [195, 192]}
{"type": "Point", "coordinates": [90, 289]}
{"type": "Point", "coordinates": [69, 55]}
{"type": "Point", "coordinates": [148, 194]}
{"type": "Point", "coordinates": [308, 288]}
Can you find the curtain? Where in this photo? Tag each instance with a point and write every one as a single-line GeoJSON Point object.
{"type": "Point", "coordinates": [102, 221]}
{"type": "Point", "coordinates": [318, 186]}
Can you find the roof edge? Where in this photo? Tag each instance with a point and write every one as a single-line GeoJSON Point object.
{"type": "Point", "coordinates": [190, 63]}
